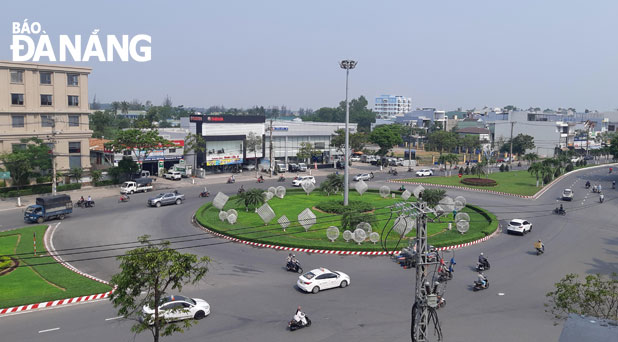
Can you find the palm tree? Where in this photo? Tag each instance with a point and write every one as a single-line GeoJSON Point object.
{"type": "Point", "coordinates": [332, 184]}
{"type": "Point", "coordinates": [115, 107]}
{"type": "Point", "coordinates": [254, 144]}
{"type": "Point", "coordinates": [251, 198]}
{"type": "Point", "coordinates": [124, 107]}
{"type": "Point", "coordinates": [531, 158]}
{"type": "Point", "coordinates": [536, 170]}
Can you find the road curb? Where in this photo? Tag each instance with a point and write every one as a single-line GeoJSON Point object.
{"type": "Point", "coordinates": [337, 252]}
{"type": "Point", "coordinates": [51, 251]}
{"type": "Point", "coordinates": [535, 196]}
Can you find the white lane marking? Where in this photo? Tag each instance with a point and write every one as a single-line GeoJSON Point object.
{"type": "Point", "coordinates": [113, 318]}
{"type": "Point", "coordinates": [47, 330]}
{"type": "Point", "coordinates": [500, 294]}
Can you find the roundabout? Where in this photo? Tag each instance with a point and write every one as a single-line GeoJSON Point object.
{"type": "Point", "coordinates": [283, 227]}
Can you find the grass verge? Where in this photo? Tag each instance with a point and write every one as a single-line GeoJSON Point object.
{"type": "Point", "coordinates": [250, 227]}
{"type": "Point", "coordinates": [34, 282]}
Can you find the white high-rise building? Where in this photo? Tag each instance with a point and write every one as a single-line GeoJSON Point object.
{"type": "Point", "coordinates": [392, 105]}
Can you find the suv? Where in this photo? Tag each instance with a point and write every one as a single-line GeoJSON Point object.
{"type": "Point", "coordinates": [165, 199]}
{"type": "Point", "coordinates": [302, 167]}
{"type": "Point", "coordinates": [293, 167]}
{"type": "Point", "coordinates": [299, 181]}
{"type": "Point", "coordinates": [567, 195]}
{"type": "Point", "coordinates": [173, 175]}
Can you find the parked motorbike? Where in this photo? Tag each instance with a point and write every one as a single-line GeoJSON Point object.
{"type": "Point", "coordinates": [205, 194]}
{"type": "Point", "coordinates": [445, 275]}
{"type": "Point", "coordinates": [559, 211]}
{"type": "Point", "coordinates": [281, 179]}
{"type": "Point", "coordinates": [124, 198]}
{"type": "Point", "coordinates": [294, 325]}
{"type": "Point", "coordinates": [479, 285]}
{"type": "Point", "coordinates": [441, 302]}
{"type": "Point", "coordinates": [294, 267]}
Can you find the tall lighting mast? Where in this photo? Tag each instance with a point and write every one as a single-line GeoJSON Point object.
{"type": "Point", "coordinates": [347, 64]}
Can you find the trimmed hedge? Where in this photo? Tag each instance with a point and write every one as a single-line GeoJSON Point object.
{"type": "Point", "coordinates": [479, 181]}
{"type": "Point", "coordinates": [336, 207]}
{"type": "Point", "coordinates": [105, 183]}
{"type": "Point", "coordinates": [38, 189]}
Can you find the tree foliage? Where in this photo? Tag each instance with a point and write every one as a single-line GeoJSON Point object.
{"type": "Point", "coordinates": [596, 295]}
{"type": "Point", "coordinates": [332, 184]}
{"type": "Point", "coordinates": [442, 141]}
{"type": "Point", "coordinates": [306, 151]}
{"type": "Point", "coordinates": [154, 269]}
{"type": "Point", "coordinates": [357, 140]}
{"type": "Point", "coordinates": [24, 163]}
{"type": "Point", "coordinates": [251, 198]}
{"type": "Point", "coordinates": [521, 143]}
{"type": "Point", "coordinates": [433, 196]}
{"type": "Point", "coordinates": [254, 144]}
{"type": "Point", "coordinates": [386, 136]}
{"type": "Point", "coordinates": [140, 142]}
{"type": "Point", "coordinates": [359, 113]}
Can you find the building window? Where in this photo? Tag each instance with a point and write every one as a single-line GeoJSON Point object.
{"type": "Point", "coordinates": [18, 121]}
{"type": "Point", "coordinates": [46, 100]}
{"type": "Point", "coordinates": [46, 77]}
{"type": "Point", "coordinates": [73, 100]}
{"type": "Point", "coordinates": [172, 150]}
{"type": "Point", "coordinates": [320, 145]}
{"type": "Point", "coordinates": [17, 99]}
{"type": "Point", "coordinates": [17, 76]}
{"type": "Point", "coordinates": [611, 128]}
{"type": "Point", "coordinates": [75, 147]}
{"type": "Point", "coordinates": [73, 120]}
{"type": "Point", "coordinates": [75, 162]}
{"type": "Point", "coordinates": [73, 79]}
{"type": "Point", "coordinates": [46, 121]}
{"type": "Point", "coordinates": [126, 153]}
{"type": "Point", "coordinates": [18, 147]}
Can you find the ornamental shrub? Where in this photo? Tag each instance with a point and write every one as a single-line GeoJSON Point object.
{"type": "Point", "coordinates": [336, 206]}
{"type": "Point", "coordinates": [569, 168]}
{"type": "Point", "coordinates": [501, 167]}
{"type": "Point", "coordinates": [479, 181]}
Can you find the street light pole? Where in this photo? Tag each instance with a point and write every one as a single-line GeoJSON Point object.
{"type": "Point", "coordinates": [347, 64]}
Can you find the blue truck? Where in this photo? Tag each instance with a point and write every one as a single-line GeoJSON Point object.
{"type": "Point", "coordinates": [49, 207]}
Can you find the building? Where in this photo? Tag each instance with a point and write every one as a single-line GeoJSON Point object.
{"type": "Point", "coordinates": [288, 137]}
{"type": "Point", "coordinates": [38, 98]}
{"type": "Point", "coordinates": [392, 105]}
{"type": "Point", "coordinates": [483, 134]}
{"type": "Point", "coordinates": [101, 158]}
{"type": "Point", "coordinates": [425, 117]}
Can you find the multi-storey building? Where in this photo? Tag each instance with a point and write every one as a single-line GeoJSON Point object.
{"type": "Point", "coordinates": [38, 98]}
{"type": "Point", "coordinates": [390, 105]}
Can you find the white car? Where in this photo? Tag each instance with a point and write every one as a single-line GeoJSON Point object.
{"type": "Point", "coordinates": [321, 279]}
{"type": "Point", "coordinates": [567, 195]}
{"type": "Point", "coordinates": [519, 226]}
{"type": "Point", "coordinates": [175, 308]}
{"type": "Point", "coordinates": [299, 181]}
{"type": "Point", "coordinates": [362, 176]}
{"type": "Point", "coordinates": [173, 175]}
{"type": "Point", "coordinates": [424, 173]}
{"type": "Point", "coordinates": [355, 159]}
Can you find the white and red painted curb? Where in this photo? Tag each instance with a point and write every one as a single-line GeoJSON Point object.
{"type": "Point", "coordinates": [329, 251]}
{"type": "Point", "coordinates": [535, 196]}
{"type": "Point", "coordinates": [49, 246]}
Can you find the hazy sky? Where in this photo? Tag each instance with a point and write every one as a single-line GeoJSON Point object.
{"type": "Point", "coordinates": [444, 54]}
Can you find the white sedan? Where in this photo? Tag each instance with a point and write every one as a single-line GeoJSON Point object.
{"type": "Point", "coordinates": [519, 226]}
{"type": "Point", "coordinates": [362, 176]}
{"type": "Point", "coordinates": [321, 279]}
{"type": "Point", "coordinates": [175, 308]}
{"type": "Point", "coordinates": [424, 173]}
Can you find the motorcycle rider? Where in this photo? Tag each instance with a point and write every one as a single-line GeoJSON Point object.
{"type": "Point", "coordinates": [483, 261]}
{"type": "Point", "coordinates": [300, 317]}
{"type": "Point", "coordinates": [613, 184]}
{"type": "Point", "coordinates": [482, 279]}
{"type": "Point", "coordinates": [402, 188]}
{"type": "Point", "coordinates": [601, 197]}
{"type": "Point", "coordinates": [539, 246]}
{"type": "Point", "coordinates": [561, 209]}
{"type": "Point", "coordinates": [290, 259]}
{"type": "Point", "coordinates": [587, 184]}
{"type": "Point", "coordinates": [89, 202]}
{"type": "Point", "coordinates": [242, 189]}
{"type": "Point", "coordinates": [81, 201]}
{"type": "Point", "coordinates": [261, 179]}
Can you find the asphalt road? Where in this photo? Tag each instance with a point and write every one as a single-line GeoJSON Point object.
{"type": "Point", "coordinates": [252, 296]}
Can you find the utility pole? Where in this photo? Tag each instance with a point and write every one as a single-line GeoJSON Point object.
{"type": "Point", "coordinates": [410, 148]}
{"type": "Point", "coordinates": [347, 65]}
{"type": "Point", "coordinates": [272, 165]}
{"type": "Point", "coordinates": [53, 157]}
{"type": "Point", "coordinates": [511, 153]}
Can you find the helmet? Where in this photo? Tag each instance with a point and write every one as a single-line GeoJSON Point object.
{"type": "Point", "coordinates": [481, 253]}
{"type": "Point", "coordinates": [290, 254]}
{"type": "Point", "coordinates": [539, 240]}
{"type": "Point", "coordinates": [294, 255]}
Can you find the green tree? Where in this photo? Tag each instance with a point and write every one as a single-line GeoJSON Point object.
{"type": "Point", "coordinates": [470, 142]}
{"type": "Point", "coordinates": [531, 157]}
{"type": "Point", "coordinates": [140, 142]}
{"type": "Point", "coordinates": [96, 176]}
{"type": "Point", "coordinates": [254, 144]}
{"type": "Point", "coordinates": [251, 198]}
{"type": "Point", "coordinates": [433, 196]}
{"type": "Point", "coordinates": [613, 147]}
{"type": "Point", "coordinates": [77, 173]}
{"type": "Point", "coordinates": [536, 169]}
{"type": "Point", "coordinates": [27, 162]}
{"type": "Point", "coordinates": [596, 296]}
{"type": "Point", "coordinates": [306, 151]}
{"type": "Point", "coordinates": [386, 136]}
{"type": "Point", "coordinates": [154, 269]}
{"type": "Point", "coordinates": [126, 167]}
{"type": "Point", "coordinates": [442, 140]}
{"type": "Point", "coordinates": [357, 140]}
{"type": "Point", "coordinates": [332, 184]}
{"type": "Point", "coordinates": [124, 107]}
{"type": "Point", "coordinates": [521, 143]}
{"type": "Point", "coordinates": [359, 113]}
{"type": "Point", "coordinates": [197, 144]}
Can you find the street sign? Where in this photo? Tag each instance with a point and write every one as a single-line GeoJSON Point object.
{"type": "Point", "coordinates": [5, 175]}
{"type": "Point", "coordinates": [161, 164]}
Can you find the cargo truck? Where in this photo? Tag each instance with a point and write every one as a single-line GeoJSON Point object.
{"type": "Point", "coordinates": [138, 185]}
{"type": "Point", "coordinates": [49, 207]}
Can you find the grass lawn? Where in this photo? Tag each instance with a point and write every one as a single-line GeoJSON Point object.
{"type": "Point", "coordinates": [29, 283]}
{"type": "Point", "coordinates": [250, 226]}
{"type": "Point", "coordinates": [514, 182]}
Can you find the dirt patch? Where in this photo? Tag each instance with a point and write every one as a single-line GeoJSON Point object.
{"type": "Point", "coordinates": [11, 268]}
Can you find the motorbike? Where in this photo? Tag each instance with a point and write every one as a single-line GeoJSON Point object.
{"type": "Point", "coordinates": [231, 181]}
{"type": "Point", "coordinates": [281, 179]}
{"type": "Point", "coordinates": [241, 190]}
{"type": "Point", "coordinates": [441, 302]}
{"type": "Point", "coordinates": [260, 180]}
{"type": "Point", "coordinates": [294, 325]}
{"type": "Point", "coordinates": [89, 204]}
{"type": "Point", "coordinates": [479, 285]}
{"type": "Point", "coordinates": [482, 266]}
{"type": "Point", "coordinates": [204, 193]}
{"type": "Point", "coordinates": [601, 198]}
{"type": "Point", "coordinates": [559, 212]}
{"type": "Point", "coordinates": [79, 204]}
{"type": "Point", "coordinates": [410, 169]}
{"type": "Point", "coordinates": [402, 188]}
{"type": "Point", "coordinates": [539, 251]}
{"type": "Point", "coordinates": [614, 185]}
{"type": "Point", "coordinates": [294, 267]}
{"type": "Point", "coordinates": [124, 198]}
{"type": "Point", "coordinates": [445, 275]}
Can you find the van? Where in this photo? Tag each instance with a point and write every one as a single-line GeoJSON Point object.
{"type": "Point", "coordinates": [302, 167]}
{"type": "Point", "coordinates": [281, 168]}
